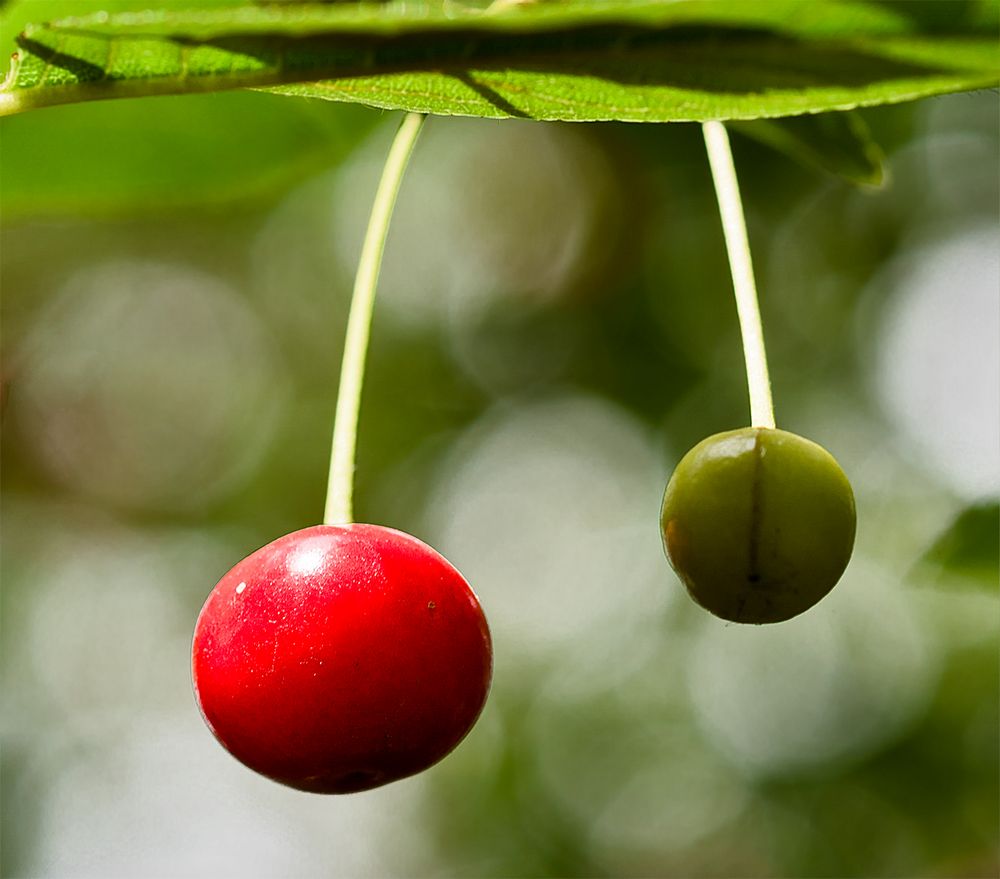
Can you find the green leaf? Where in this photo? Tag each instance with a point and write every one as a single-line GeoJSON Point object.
{"type": "Point", "coordinates": [970, 546]}
{"type": "Point", "coordinates": [839, 143]}
{"type": "Point", "coordinates": [127, 157]}
{"type": "Point", "coordinates": [578, 60]}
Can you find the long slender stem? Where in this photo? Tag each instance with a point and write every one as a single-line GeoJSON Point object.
{"type": "Point", "coordinates": [340, 487]}
{"type": "Point", "coordinates": [727, 190]}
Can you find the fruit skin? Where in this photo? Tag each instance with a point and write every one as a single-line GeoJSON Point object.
{"type": "Point", "coordinates": [341, 658]}
{"type": "Point", "coordinates": [758, 523]}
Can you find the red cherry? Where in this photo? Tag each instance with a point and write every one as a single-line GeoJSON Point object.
{"type": "Point", "coordinates": [341, 658]}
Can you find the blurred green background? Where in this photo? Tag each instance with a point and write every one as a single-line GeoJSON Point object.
{"type": "Point", "coordinates": [554, 329]}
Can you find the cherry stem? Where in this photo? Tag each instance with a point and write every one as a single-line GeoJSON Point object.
{"type": "Point", "coordinates": [340, 487]}
{"type": "Point", "coordinates": [734, 227]}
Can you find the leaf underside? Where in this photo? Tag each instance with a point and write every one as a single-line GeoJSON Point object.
{"type": "Point", "coordinates": [839, 143]}
{"type": "Point", "coordinates": [573, 60]}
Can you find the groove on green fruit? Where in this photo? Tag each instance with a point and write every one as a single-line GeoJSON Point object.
{"type": "Point", "coordinates": [756, 513]}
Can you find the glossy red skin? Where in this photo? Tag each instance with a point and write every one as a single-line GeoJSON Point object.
{"type": "Point", "coordinates": [354, 656]}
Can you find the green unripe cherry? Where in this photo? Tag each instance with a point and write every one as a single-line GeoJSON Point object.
{"type": "Point", "coordinates": [759, 524]}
